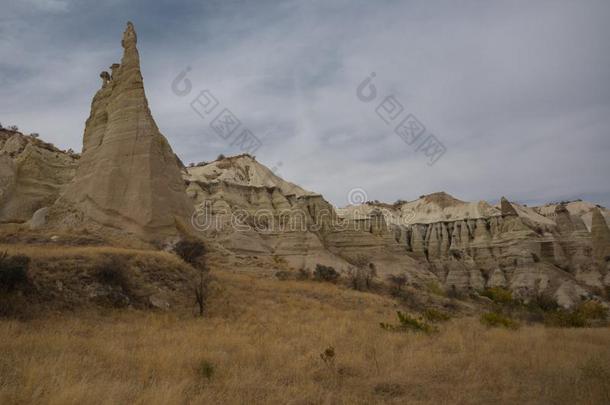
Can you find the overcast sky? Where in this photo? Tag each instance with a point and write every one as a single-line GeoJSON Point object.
{"type": "Point", "coordinates": [518, 92]}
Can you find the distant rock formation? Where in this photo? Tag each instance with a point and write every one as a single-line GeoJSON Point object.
{"type": "Point", "coordinates": [470, 246]}
{"type": "Point", "coordinates": [601, 236]}
{"type": "Point", "coordinates": [506, 208]}
{"type": "Point", "coordinates": [250, 210]}
{"type": "Point", "coordinates": [128, 177]}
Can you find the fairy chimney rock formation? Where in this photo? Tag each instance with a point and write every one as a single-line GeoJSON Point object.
{"type": "Point", "coordinates": [128, 177]}
{"type": "Point", "coordinates": [600, 235]}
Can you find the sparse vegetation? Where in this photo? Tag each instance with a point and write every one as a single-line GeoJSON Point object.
{"type": "Point", "coordinates": [436, 315]}
{"type": "Point", "coordinates": [498, 295]}
{"type": "Point", "coordinates": [194, 252]}
{"type": "Point", "coordinates": [259, 354]}
{"type": "Point", "coordinates": [206, 369]}
{"type": "Point", "coordinates": [328, 357]}
{"type": "Point", "coordinates": [408, 323]}
{"type": "Point", "coordinates": [496, 319]}
{"type": "Point", "coordinates": [589, 313]}
{"type": "Point", "coordinates": [434, 288]}
{"type": "Point", "coordinates": [113, 271]}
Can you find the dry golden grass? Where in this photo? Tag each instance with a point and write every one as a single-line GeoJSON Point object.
{"type": "Point", "coordinates": [261, 343]}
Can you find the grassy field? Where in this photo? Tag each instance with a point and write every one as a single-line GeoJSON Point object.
{"type": "Point", "coordinates": [261, 343]}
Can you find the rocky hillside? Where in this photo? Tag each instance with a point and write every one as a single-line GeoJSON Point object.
{"type": "Point", "coordinates": [129, 187]}
{"type": "Point", "coordinates": [528, 250]}
{"type": "Point", "coordinates": [242, 170]}
{"type": "Point", "coordinates": [249, 210]}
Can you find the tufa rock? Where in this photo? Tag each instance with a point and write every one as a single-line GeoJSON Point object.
{"type": "Point", "coordinates": [128, 177]}
{"type": "Point", "coordinates": [600, 235]}
{"type": "Point", "coordinates": [507, 208]}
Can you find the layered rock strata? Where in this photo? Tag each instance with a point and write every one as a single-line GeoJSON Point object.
{"type": "Point", "coordinates": [128, 178]}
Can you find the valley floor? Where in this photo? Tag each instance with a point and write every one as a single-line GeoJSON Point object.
{"type": "Point", "coordinates": [262, 340]}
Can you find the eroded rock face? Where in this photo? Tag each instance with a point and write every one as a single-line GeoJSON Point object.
{"type": "Point", "coordinates": [471, 245]}
{"type": "Point", "coordinates": [128, 177]}
{"type": "Point", "coordinates": [601, 236]}
{"type": "Point", "coordinates": [251, 211]}
{"type": "Point", "coordinates": [32, 175]}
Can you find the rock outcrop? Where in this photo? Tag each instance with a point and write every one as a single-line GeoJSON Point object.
{"type": "Point", "coordinates": [128, 178]}
{"type": "Point", "coordinates": [251, 211]}
{"type": "Point", "coordinates": [470, 246]}
{"type": "Point", "coordinates": [601, 237]}
{"type": "Point", "coordinates": [33, 174]}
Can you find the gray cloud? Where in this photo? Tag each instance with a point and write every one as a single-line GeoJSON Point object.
{"type": "Point", "coordinates": [519, 93]}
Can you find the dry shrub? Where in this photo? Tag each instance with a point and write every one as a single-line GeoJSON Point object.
{"type": "Point", "coordinates": [13, 272]}
{"type": "Point", "coordinates": [436, 315]}
{"type": "Point", "coordinates": [260, 354]}
{"type": "Point", "coordinates": [397, 283]}
{"type": "Point", "coordinates": [498, 295]}
{"type": "Point", "coordinates": [191, 251]}
{"type": "Point", "coordinates": [408, 323]}
{"type": "Point", "coordinates": [283, 275]}
{"type": "Point", "coordinates": [587, 314]}
{"type": "Point", "coordinates": [495, 319]}
{"type": "Point", "coordinates": [206, 369]}
{"type": "Point", "coordinates": [15, 286]}
{"type": "Point", "coordinates": [325, 273]}
{"type": "Point", "coordinates": [113, 271]}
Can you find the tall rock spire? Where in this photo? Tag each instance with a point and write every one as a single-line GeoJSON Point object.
{"type": "Point", "coordinates": [600, 235]}
{"type": "Point", "coordinates": [128, 176]}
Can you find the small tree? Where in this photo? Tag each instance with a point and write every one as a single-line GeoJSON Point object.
{"type": "Point", "coordinates": [202, 290]}
{"type": "Point", "coordinates": [191, 251]}
{"type": "Point", "coordinates": [194, 252]}
{"type": "Point", "coordinates": [14, 128]}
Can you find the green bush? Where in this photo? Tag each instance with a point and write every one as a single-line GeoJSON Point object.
{"type": "Point", "coordinates": [435, 315]}
{"type": "Point", "coordinates": [496, 319]}
{"type": "Point", "coordinates": [592, 310]}
{"type": "Point", "coordinates": [408, 323]}
{"type": "Point", "coordinates": [498, 295]}
{"type": "Point", "coordinates": [434, 288]}
{"type": "Point", "coordinates": [586, 314]}
{"type": "Point", "coordinates": [543, 302]}
{"type": "Point", "coordinates": [565, 319]}
{"type": "Point", "coordinates": [325, 273]}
